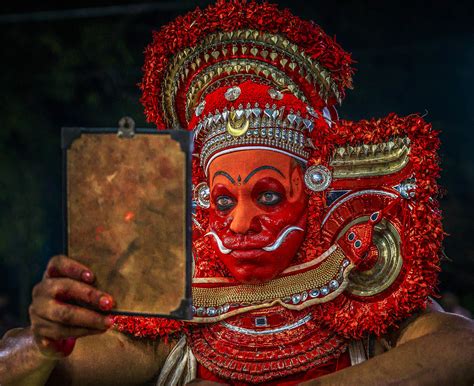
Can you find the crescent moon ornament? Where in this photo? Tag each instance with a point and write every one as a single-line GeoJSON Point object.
{"type": "Point", "coordinates": [237, 126]}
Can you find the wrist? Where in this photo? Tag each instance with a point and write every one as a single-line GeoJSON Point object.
{"type": "Point", "coordinates": [21, 361]}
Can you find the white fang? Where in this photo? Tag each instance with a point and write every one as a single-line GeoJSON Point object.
{"type": "Point", "coordinates": [281, 238]}
{"type": "Point", "coordinates": [221, 247]}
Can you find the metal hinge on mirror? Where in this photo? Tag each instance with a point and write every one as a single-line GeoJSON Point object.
{"type": "Point", "coordinates": [126, 128]}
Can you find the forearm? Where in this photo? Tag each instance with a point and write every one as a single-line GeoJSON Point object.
{"type": "Point", "coordinates": [443, 358]}
{"type": "Point", "coordinates": [111, 358]}
{"type": "Point", "coordinates": [21, 362]}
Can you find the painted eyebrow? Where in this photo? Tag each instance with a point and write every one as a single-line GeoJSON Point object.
{"type": "Point", "coordinates": [260, 168]}
{"type": "Point", "coordinates": [222, 173]}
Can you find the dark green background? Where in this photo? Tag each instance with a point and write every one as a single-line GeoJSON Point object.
{"type": "Point", "coordinates": [63, 70]}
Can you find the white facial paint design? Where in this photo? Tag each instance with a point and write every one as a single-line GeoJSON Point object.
{"type": "Point", "coordinates": [269, 248]}
{"type": "Point", "coordinates": [220, 245]}
{"type": "Point", "coordinates": [285, 232]}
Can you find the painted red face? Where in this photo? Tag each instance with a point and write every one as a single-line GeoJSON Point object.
{"type": "Point", "coordinates": [257, 213]}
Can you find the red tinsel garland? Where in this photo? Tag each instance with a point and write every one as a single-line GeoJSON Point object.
{"type": "Point", "coordinates": [148, 327]}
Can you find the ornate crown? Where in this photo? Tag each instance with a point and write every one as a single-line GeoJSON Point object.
{"type": "Point", "coordinates": [230, 43]}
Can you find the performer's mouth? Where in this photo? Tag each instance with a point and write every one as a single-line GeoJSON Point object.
{"type": "Point", "coordinates": [243, 252]}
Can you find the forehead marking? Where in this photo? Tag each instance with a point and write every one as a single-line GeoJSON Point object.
{"type": "Point", "coordinates": [225, 174]}
{"type": "Point", "coordinates": [260, 168]}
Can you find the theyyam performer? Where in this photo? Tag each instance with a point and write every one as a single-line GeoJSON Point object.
{"type": "Point", "coordinates": [316, 241]}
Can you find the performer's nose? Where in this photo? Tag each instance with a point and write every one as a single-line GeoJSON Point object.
{"type": "Point", "coordinates": [244, 219]}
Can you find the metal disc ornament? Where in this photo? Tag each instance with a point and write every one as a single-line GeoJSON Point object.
{"type": "Point", "coordinates": [232, 93]}
{"type": "Point", "coordinates": [317, 178]}
{"type": "Point", "coordinates": [202, 195]}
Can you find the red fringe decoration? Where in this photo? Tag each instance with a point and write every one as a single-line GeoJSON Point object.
{"type": "Point", "coordinates": [422, 238]}
{"type": "Point", "coordinates": [150, 328]}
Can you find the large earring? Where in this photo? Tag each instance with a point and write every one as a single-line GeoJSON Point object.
{"type": "Point", "coordinates": [317, 178]}
{"type": "Point", "coordinates": [202, 195]}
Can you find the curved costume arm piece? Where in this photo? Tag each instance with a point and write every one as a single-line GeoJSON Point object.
{"type": "Point", "coordinates": [21, 362]}
{"type": "Point", "coordinates": [434, 348]}
{"type": "Point", "coordinates": [99, 359]}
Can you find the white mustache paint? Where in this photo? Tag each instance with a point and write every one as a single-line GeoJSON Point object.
{"type": "Point", "coordinates": [269, 248]}
{"type": "Point", "coordinates": [281, 238]}
{"type": "Point", "coordinates": [221, 247]}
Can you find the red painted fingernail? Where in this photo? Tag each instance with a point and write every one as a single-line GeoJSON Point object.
{"type": "Point", "coordinates": [87, 276]}
{"type": "Point", "coordinates": [105, 303]}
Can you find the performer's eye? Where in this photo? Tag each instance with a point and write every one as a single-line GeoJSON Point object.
{"type": "Point", "coordinates": [269, 198]}
{"type": "Point", "coordinates": [224, 203]}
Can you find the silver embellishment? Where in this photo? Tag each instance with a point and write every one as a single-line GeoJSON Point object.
{"type": "Point", "coordinates": [333, 285]}
{"type": "Point", "coordinates": [308, 124]}
{"type": "Point", "coordinates": [317, 178]}
{"type": "Point", "coordinates": [287, 133]}
{"type": "Point", "coordinates": [407, 188]}
{"type": "Point", "coordinates": [202, 195]}
{"type": "Point", "coordinates": [311, 111]}
{"type": "Point", "coordinates": [327, 116]}
{"type": "Point", "coordinates": [324, 290]}
{"type": "Point", "coordinates": [261, 321]}
{"type": "Point", "coordinates": [357, 194]}
{"type": "Point", "coordinates": [200, 108]}
{"type": "Point", "coordinates": [248, 331]}
{"type": "Point", "coordinates": [275, 94]}
{"type": "Point", "coordinates": [304, 296]}
{"type": "Point", "coordinates": [291, 118]}
{"type": "Point", "coordinates": [232, 93]}
{"type": "Point", "coordinates": [314, 293]}
{"type": "Point", "coordinates": [296, 298]}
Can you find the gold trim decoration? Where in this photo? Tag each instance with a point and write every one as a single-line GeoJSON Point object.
{"type": "Point", "coordinates": [271, 53]}
{"type": "Point", "coordinates": [237, 126]}
{"type": "Point", "coordinates": [371, 160]}
{"type": "Point", "coordinates": [244, 68]}
{"type": "Point", "coordinates": [388, 266]}
{"type": "Point", "coordinates": [282, 287]}
{"type": "Point", "coordinates": [306, 299]}
{"type": "Point", "coordinates": [291, 269]}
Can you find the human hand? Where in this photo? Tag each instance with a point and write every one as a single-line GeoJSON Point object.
{"type": "Point", "coordinates": [58, 310]}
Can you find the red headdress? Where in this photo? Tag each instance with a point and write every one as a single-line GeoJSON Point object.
{"type": "Point", "coordinates": [248, 75]}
